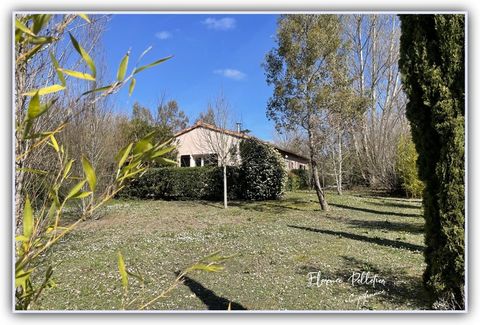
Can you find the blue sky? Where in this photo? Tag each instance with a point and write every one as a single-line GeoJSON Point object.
{"type": "Point", "coordinates": [211, 53]}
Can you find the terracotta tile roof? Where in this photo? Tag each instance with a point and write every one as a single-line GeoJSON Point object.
{"type": "Point", "coordinates": [241, 135]}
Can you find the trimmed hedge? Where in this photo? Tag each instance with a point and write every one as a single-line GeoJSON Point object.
{"type": "Point", "coordinates": [173, 183]}
{"type": "Point", "coordinates": [261, 176]}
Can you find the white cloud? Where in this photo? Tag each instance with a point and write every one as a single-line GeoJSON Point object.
{"type": "Point", "coordinates": [163, 35]}
{"type": "Point", "coordinates": [219, 24]}
{"type": "Point", "coordinates": [230, 73]}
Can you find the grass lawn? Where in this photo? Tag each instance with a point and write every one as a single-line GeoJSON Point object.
{"type": "Point", "coordinates": [277, 244]}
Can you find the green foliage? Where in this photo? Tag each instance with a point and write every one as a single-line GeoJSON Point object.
{"type": "Point", "coordinates": [298, 179]}
{"type": "Point", "coordinates": [42, 219]}
{"type": "Point", "coordinates": [173, 183]}
{"type": "Point", "coordinates": [432, 62]}
{"type": "Point", "coordinates": [304, 182]}
{"type": "Point", "coordinates": [406, 167]}
{"type": "Point", "coordinates": [293, 182]}
{"type": "Point", "coordinates": [263, 171]}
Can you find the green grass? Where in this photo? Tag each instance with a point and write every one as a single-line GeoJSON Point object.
{"type": "Point", "coordinates": [277, 243]}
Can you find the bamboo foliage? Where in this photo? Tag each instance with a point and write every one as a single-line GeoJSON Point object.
{"type": "Point", "coordinates": [40, 224]}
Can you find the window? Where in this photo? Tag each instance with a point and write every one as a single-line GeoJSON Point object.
{"type": "Point", "coordinates": [185, 161]}
{"type": "Point", "coordinates": [210, 160]}
{"type": "Point", "coordinates": [198, 161]}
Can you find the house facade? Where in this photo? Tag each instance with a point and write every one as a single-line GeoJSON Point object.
{"type": "Point", "coordinates": [204, 144]}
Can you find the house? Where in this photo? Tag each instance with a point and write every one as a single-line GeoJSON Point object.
{"type": "Point", "coordinates": [200, 144]}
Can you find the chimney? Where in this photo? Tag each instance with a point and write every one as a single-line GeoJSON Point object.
{"type": "Point", "coordinates": [239, 127]}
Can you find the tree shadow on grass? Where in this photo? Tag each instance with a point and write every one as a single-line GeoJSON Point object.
{"type": "Point", "coordinates": [397, 205]}
{"type": "Point", "coordinates": [269, 206]}
{"type": "Point", "coordinates": [385, 197]}
{"type": "Point", "coordinates": [375, 240]}
{"type": "Point", "coordinates": [208, 297]}
{"type": "Point", "coordinates": [413, 228]}
{"type": "Point", "coordinates": [400, 288]}
{"type": "Point", "coordinates": [386, 213]}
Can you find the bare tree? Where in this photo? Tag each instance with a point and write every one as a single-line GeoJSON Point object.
{"type": "Point", "coordinates": [219, 141]}
{"type": "Point", "coordinates": [375, 75]}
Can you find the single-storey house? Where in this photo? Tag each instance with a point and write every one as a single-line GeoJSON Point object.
{"type": "Point", "coordinates": [199, 145]}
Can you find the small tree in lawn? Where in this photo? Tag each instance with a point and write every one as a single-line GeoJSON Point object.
{"type": "Point", "coordinates": [218, 142]}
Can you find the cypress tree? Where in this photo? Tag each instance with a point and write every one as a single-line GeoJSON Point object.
{"type": "Point", "coordinates": [432, 63]}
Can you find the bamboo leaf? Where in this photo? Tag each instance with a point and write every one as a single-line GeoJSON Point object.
{"type": "Point", "coordinates": [152, 64]}
{"type": "Point", "coordinates": [142, 145]}
{"type": "Point", "coordinates": [166, 161]}
{"type": "Point", "coordinates": [123, 155]}
{"type": "Point", "coordinates": [75, 189]}
{"type": "Point", "coordinates": [162, 152]}
{"type": "Point", "coordinates": [132, 86]}
{"type": "Point", "coordinates": [60, 75]}
{"type": "Point", "coordinates": [82, 195]}
{"type": "Point", "coordinates": [122, 70]}
{"type": "Point", "coordinates": [21, 26]}
{"type": "Point", "coordinates": [39, 21]}
{"type": "Point", "coordinates": [68, 166]}
{"type": "Point", "coordinates": [34, 108]}
{"type": "Point", "coordinates": [27, 219]}
{"type": "Point", "coordinates": [206, 267]}
{"type": "Point", "coordinates": [123, 271]}
{"type": "Point", "coordinates": [40, 40]}
{"type": "Point", "coordinates": [21, 278]}
{"type": "Point", "coordinates": [85, 17]}
{"type": "Point", "coordinates": [45, 90]}
{"type": "Point", "coordinates": [97, 90]}
{"type": "Point", "coordinates": [33, 171]}
{"type": "Point", "coordinates": [22, 238]}
{"type": "Point", "coordinates": [129, 175]}
{"type": "Point", "coordinates": [86, 57]}
{"type": "Point", "coordinates": [54, 143]}
{"type": "Point", "coordinates": [78, 74]}
{"type": "Point", "coordinates": [89, 173]}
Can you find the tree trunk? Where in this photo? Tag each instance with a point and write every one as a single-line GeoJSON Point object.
{"type": "Point", "coordinates": [225, 186]}
{"type": "Point", "coordinates": [316, 179]}
{"type": "Point", "coordinates": [318, 187]}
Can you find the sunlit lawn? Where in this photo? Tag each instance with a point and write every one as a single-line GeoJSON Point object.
{"type": "Point", "coordinates": [277, 244]}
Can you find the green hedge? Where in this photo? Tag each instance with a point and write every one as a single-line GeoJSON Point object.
{"type": "Point", "coordinates": [174, 183]}
{"type": "Point", "coordinates": [302, 178]}
{"type": "Point", "coordinates": [263, 171]}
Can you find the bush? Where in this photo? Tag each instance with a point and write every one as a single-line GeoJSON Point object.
{"type": "Point", "coordinates": [173, 183]}
{"type": "Point", "coordinates": [293, 182]}
{"type": "Point", "coordinates": [406, 168]}
{"type": "Point", "coordinates": [304, 181]}
{"type": "Point", "coordinates": [263, 171]}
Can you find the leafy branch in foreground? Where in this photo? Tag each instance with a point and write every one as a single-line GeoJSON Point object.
{"type": "Point", "coordinates": [211, 263]}
{"type": "Point", "coordinates": [40, 223]}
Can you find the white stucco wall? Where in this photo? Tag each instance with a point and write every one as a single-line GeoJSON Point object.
{"type": "Point", "coordinates": [201, 141]}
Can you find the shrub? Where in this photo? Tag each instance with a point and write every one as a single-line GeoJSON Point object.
{"type": "Point", "coordinates": [173, 183]}
{"type": "Point", "coordinates": [406, 167]}
{"type": "Point", "coordinates": [304, 181]}
{"type": "Point", "coordinates": [293, 182]}
{"type": "Point", "coordinates": [263, 171]}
